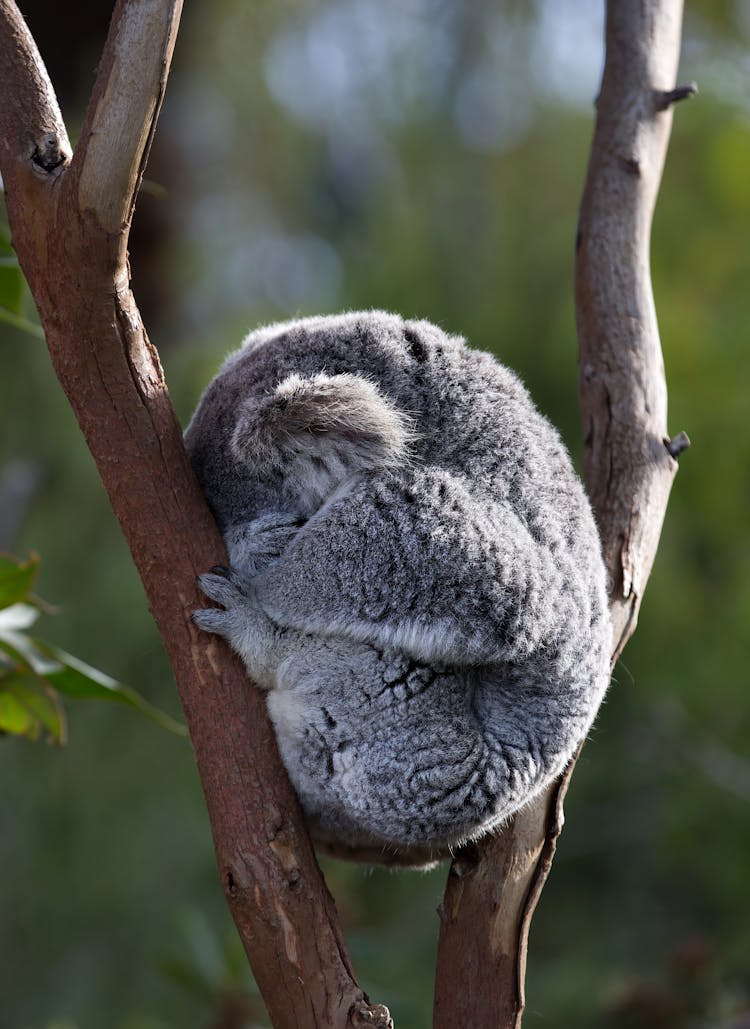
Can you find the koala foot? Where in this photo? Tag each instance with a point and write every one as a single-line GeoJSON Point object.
{"type": "Point", "coordinates": [242, 623]}
{"type": "Point", "coordinates": [220, 585]}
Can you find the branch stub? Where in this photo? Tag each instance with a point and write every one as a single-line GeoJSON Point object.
{"type": "Point", "coordinates": [677, 444]}
{"type": "Point", "coordinates": [665, 98]}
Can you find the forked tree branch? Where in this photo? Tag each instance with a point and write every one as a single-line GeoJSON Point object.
{"type": "Point", "coordinates": [70, 222]}
{"type": "Point", "coordinates": [493, 886]}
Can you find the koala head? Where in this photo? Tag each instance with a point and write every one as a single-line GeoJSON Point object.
{"type": "Point", "coordinates": [318, 431]}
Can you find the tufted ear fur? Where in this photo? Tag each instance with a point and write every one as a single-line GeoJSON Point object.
{"type": "Point", "coordinates": [315, 432]}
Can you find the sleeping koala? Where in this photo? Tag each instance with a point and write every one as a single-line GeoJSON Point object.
{"type": "Point", "coordinates": [415, 578]}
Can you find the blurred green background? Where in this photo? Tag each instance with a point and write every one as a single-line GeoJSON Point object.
{"type": "Point", "coordinates": [426, 156]}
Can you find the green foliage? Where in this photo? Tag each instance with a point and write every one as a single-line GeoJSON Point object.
{"type": "Point", "coordinates": [16, 579]}
{"type": "Point", "coordinates": [33, 673]}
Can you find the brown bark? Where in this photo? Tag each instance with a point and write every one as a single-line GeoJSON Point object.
{"type": "Point", "coordinates": [494, 886]}
{"type": "Point", "coordinates": [622, 389]}
{"type": "Point", "coordinates": [70, 221]}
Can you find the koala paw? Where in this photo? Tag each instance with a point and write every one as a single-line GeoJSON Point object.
{"type": "Point", "coordinates": [242, 623]}
{"type": "Point", "coordinates": [253, 546]}
{"type": "Point", "coordinates": [222, 586]}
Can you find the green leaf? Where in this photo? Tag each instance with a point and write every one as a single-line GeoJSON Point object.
{"type": "Point", "coordinates": [74, 678]}
{"type": "Point", "coordinates": [17, 616]}
{"type": "Point", "coordinates": [14, 718]}
{"type": "Point", "coordinates": [34, 662]}
{"type": "Point", "coordinates": [25, 653]}
{"type": "Point", "coordinates": [16, 578]}
{"type": "Point", "coordinates": [28, 707]}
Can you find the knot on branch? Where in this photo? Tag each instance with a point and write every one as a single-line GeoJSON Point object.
{"type": "Point", "coordinates": [631, 165]}
{"type": "Point", "coordinates": [365, 1016]}
{"type": "Point", "coordinates": [677, 444]}
{"type": "Point", "coordinates": [48, 153]}
{"type": "Point", "coordinates": [665, 98]}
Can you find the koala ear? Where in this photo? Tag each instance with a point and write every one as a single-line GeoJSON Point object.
{"type": "Point", "coordinates": [309, 417]}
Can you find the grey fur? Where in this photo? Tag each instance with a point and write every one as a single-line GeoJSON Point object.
{"type": "Point", "coordinates": [415, 578]}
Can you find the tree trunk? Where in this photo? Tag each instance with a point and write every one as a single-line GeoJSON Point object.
{"type": "Point", "coordinates": [493, 886]}
{"type": "Point", "coordinates": [70, 218]}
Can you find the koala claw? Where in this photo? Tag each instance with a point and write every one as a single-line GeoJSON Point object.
{"type": "Point", "coordinates": [223, 588]}
{"type": "Point", "coordinates": [220, 586]}
{"type": "Point", "coordinates": [241, 622]}
{"type": "Point", "coordinates": [211, 619]}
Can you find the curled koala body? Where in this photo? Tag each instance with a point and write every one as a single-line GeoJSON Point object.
{"type": "Point", "coordinates": [415, 577]}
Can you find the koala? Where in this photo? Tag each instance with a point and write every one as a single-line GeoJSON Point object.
{"type": "Point", "coordinates": [415, 577]}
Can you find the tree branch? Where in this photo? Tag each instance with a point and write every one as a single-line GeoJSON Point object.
{"type": "Point", "coordinates": [70, 225]}
{"type": "Point", "coordinates": [629, 467]}
{"type": "Point", "coordinates": [623, 394]}
{"type": "Point", "coordinates": [124, 105]}
{"type": "Point", "coordinates": [29, 110]}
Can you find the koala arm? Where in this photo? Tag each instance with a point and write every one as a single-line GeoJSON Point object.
{"type": "Point", "coordinates": [410, 560]}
